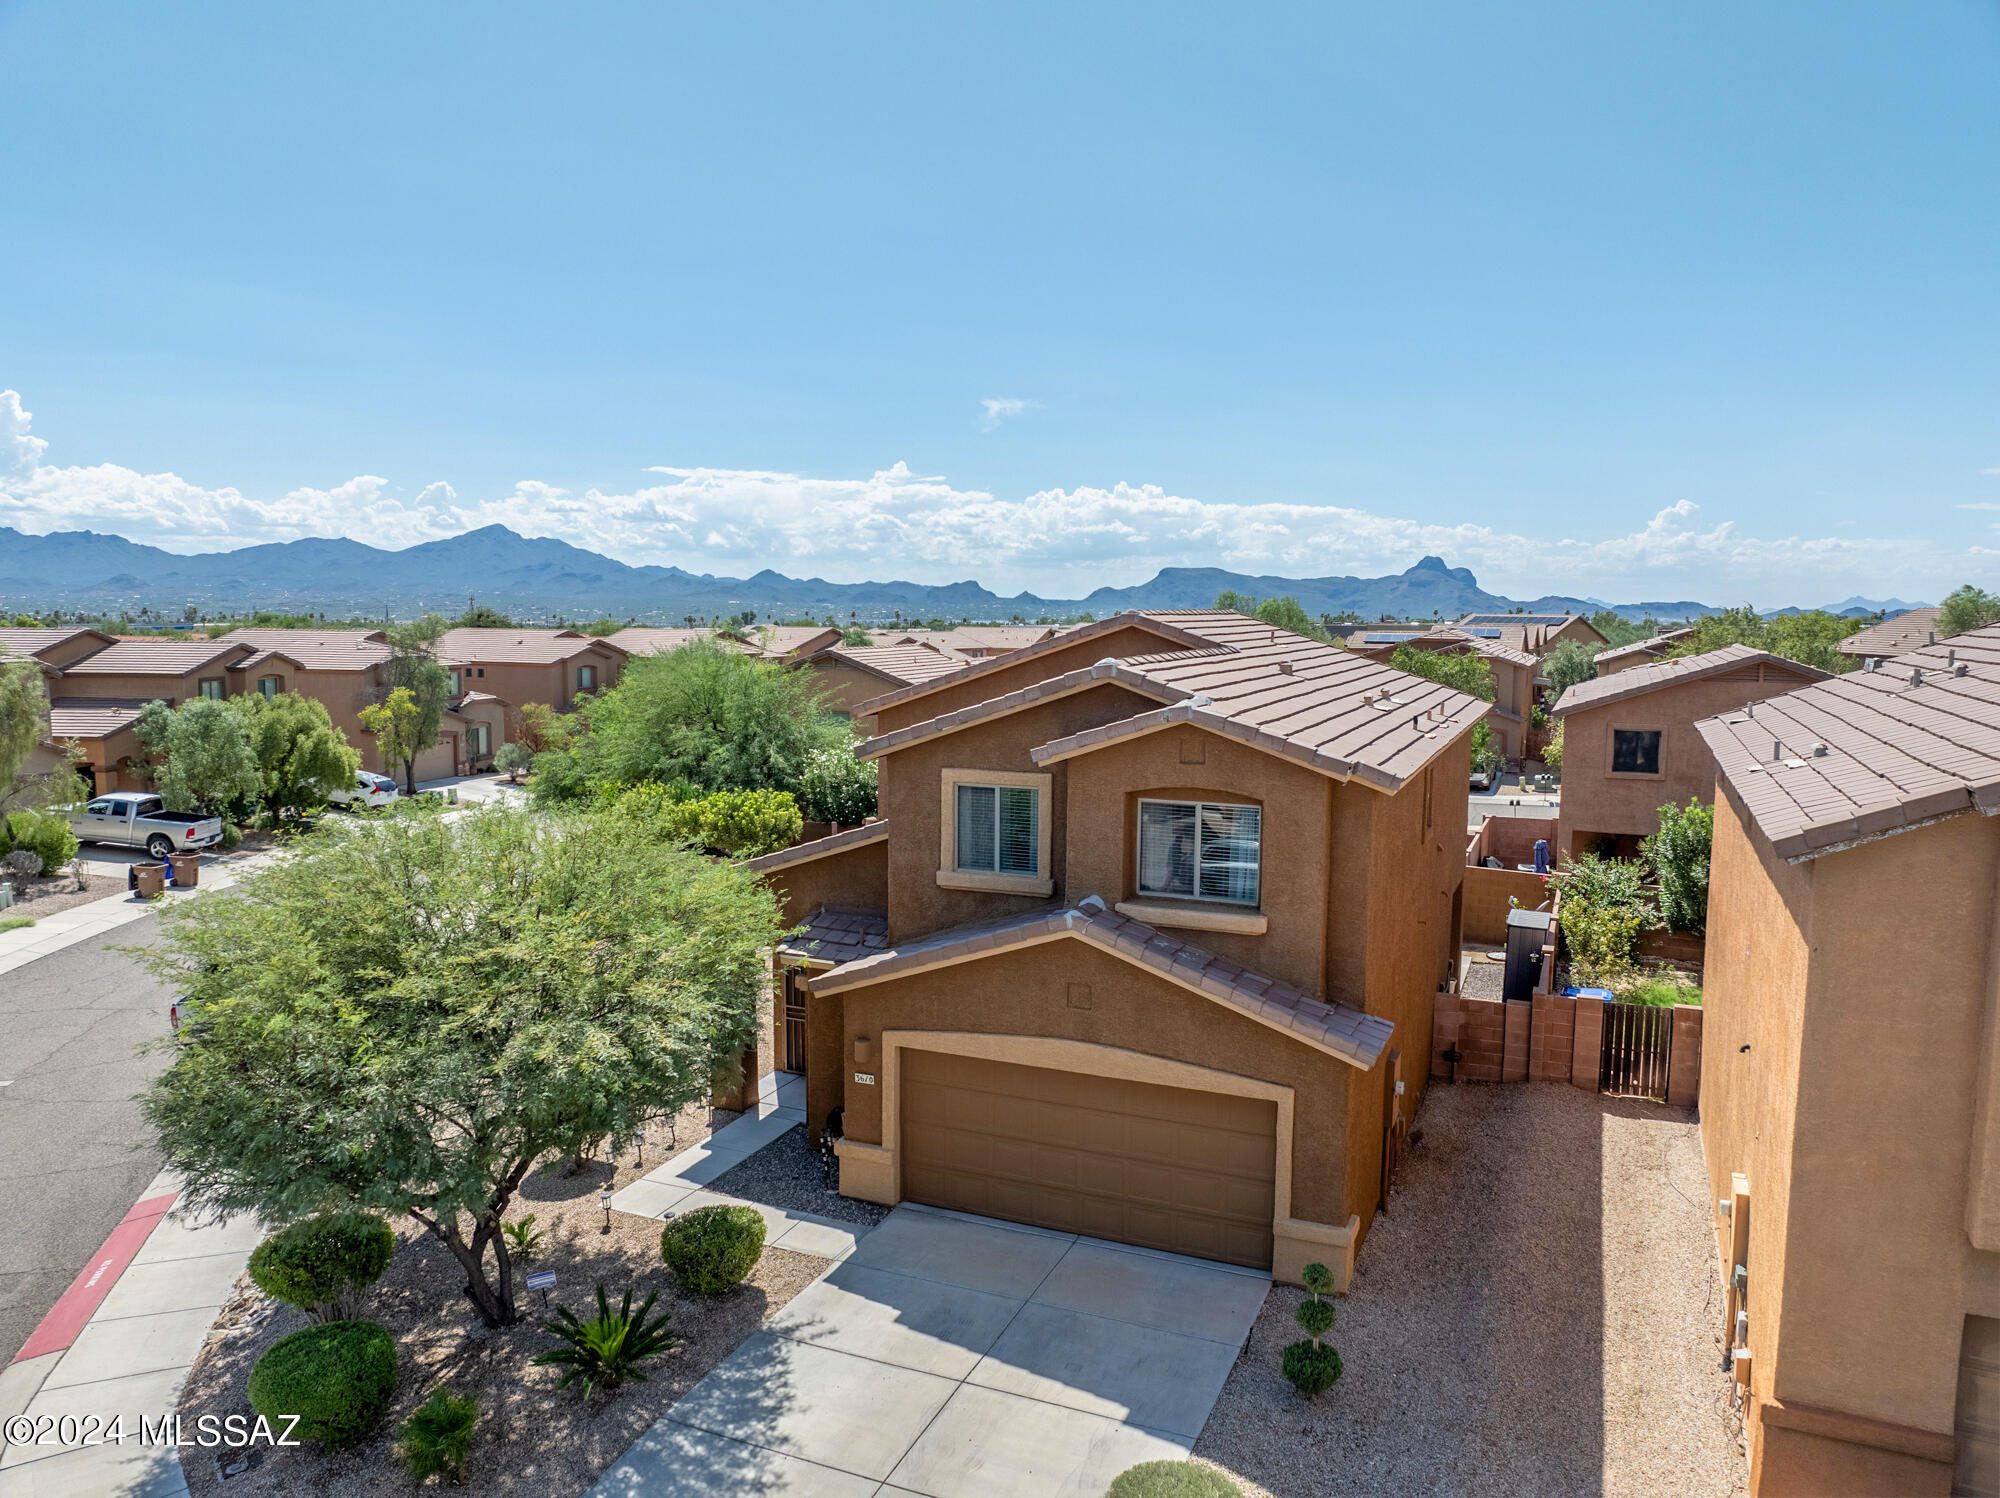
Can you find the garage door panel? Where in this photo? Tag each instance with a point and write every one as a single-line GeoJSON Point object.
{"type": "Point", "coordinates": [1170, 1168]}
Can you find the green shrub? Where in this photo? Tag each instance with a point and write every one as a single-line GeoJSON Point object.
{"type": "Point", "coordinates": [1310, 1365]}
{"type": "Point", "coordinates": [837, 787]}
{"type": "Point", "coordinates": [1171, 1480]}
{"type": "Point", "coordinates": [560, 779]}
{"type": "Point", "coordinates": [1604, 908]}
{"type": "Point", "coordinates": [318, 1264]}
{"type": "Point", "coordinates": [1679, 853]}
{"type": "Point", "coordinates": [336, 1377]}
{"type": "Point", "coordinates": [437, 1436]}
{"type": "Point", "coordinates": [512, 758]}
{"type": "Point", "coordinates": [711, 1248]}
{"type": "Point", "coordinates": [524, 1239]}
{"type": "Point", "coordinates": [735, 824]}
{"type": "Point", "coordinates": [46, 836]}
{"type": "Point", "coordinates": [607, 1348]}
{"type": "Point", "coordinates": [1662, 993]}
{"type": "Point", "coordinates": [232, 837]}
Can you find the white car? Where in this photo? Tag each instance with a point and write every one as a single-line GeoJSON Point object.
{"type": "Point", "coordinates": [369, 791]}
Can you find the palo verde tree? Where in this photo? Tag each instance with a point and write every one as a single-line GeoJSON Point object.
{"type": "Point", "coordinates": [1284, 612]}
{"type": "Point", "coordinates": [24, 714]}
{"type": "Point", "coordinates": [1569, 663]}
{"type": "Point", "coordinates": [413, 668]}
{"type": "Point", "coordinates": [300, 754]}
{"type": "Point", "coordinates": [207, 763]}
{"type": "Point", "coordinates": [410, 1015]}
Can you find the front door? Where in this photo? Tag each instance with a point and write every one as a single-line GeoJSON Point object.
{"type": "Point", "coordinates": [795, 1020]}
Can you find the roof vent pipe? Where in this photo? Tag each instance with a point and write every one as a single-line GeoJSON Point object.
{"type": "Point", "coordinates": [1933, 638]}
{"type": "Point", "coordinates": [1916, 676]}
{"type": "Point", "coordinates": [1284, 668]}
{"type": "Point", "coordinates": [1749, 709]}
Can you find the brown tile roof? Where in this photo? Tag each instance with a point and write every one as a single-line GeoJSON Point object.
{"type": "Point", "coordinates": [1057, 641]}
{"type": "Point", "coordinates": [320, 649]}
{"type": "Point", "coordinates": [1336, 712]}
{"type": "Point", "coordinates": [980, 639]}
{"type": "Point", "coordinates": [835, 934]}
{"type": "Point", "coordinates": [1653, 645]}
{"type": "Point", "coordinates": [1908, 631]}
{"type": "Point", "coordinates": [1639, 680]}
{"type": "Point", "coordinates": [156, 657]}
{"type": "Point", "coordinates": [1872, 753]}
{"type": "Point", "coordinates": [901, 664]}
{"type": "Point", "coordinates": [1356, 1038]}
{"type": "Point", "coordinates": [523, 647]}
{"type": "Point", "coordinates": [644, 639]}
{"type": "Point", "coordinates": [251, 662]}
{"type": "Point", "coordinates": [792, 641]}
{"type": "Point", "coordinates": [33, 641]}
{"type": "Point", "coordinates": [1492, 649]}
{"type": "Point", "coordinates": [93, 717]}
{"type": "Point", "coordinates": [819, 847]}
{"type": "Point", "coordinates": [785, 641]}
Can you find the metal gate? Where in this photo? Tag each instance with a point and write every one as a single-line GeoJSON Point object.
{"type": "Point", "coordinates": [1637, 1042]}
{"type": "Point", "coordinates": [795, 1020]}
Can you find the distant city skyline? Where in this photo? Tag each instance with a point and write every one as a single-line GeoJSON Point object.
{"type": "Point", "coordinates": [1615, 303]}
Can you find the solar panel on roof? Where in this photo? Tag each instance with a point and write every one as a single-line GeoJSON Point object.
{"type": "Point", "coordinates": [1485, 634]}
{"type": "Point", "coordinates": [1386, 639]}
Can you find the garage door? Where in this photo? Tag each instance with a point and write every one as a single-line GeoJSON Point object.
{"type": "Point", "coordinates": [1164, 1167]}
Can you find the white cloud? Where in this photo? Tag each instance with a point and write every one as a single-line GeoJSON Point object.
{"type": "Point", "coordinates": [999, 409]}
{"type": "Point", "coordinates": [1984, 504]}
{"type": "Point", "coordinates": [1060, 543]}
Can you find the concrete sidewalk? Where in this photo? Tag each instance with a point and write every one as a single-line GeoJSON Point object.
{"type": "Point", "coordinates": [119, 1344]}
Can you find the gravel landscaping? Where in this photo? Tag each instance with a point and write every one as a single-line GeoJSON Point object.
{"type": "Point", "coordinates": [786, 1173]}
{"type": "Point", "coordinates": [531, 1438]}
{"type": "Point", "coordinates": [1537, 1312]}
{"type": "Point", "coordinates": [42, 897]}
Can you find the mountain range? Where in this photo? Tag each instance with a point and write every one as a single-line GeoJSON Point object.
{"type": "Point", "coordinates": [542, 577]}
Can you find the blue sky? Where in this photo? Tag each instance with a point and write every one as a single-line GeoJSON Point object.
{"type": "Point", "coordinates": [1633, 301]}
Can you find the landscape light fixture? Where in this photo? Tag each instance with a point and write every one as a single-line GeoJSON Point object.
{"type": "Point", "coordinates": [604, 1201]}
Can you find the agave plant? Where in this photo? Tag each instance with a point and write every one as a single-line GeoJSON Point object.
{"type": "Point", "coordinates": [607, 1348]}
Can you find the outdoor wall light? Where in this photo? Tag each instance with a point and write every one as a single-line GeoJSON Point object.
{"type": "Point", "coordinates": [864, 1050]}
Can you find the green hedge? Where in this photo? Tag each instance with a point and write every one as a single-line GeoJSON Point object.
{"type": "Point", "coordinates": [315, 1263]}
{"type": "Point", "coordinates": [711, 1249]}
{"type": "Point", "coordinates": [336, 1377]}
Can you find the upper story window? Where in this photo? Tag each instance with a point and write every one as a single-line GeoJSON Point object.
{"type": "Point", "coordinates": [211, 688]}
{"type": "Point", "coordinates": [455, 688]}
{"type": "Point", "coordinates": [270, 686]}
{"type": "Point", "coordinates": [1200, 850]}
{"type": "Point", "coordinates": [586, 678]}
{"type": "Point", "coordinates": [1635, 751]}
{"type": "Point", "coordinates": [998, 829]}
{"type": "Point", "coordinates": [995, 832]}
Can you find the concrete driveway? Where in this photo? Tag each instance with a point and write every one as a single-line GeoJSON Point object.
{"type": "Point", "coordinates": [952, 1355]}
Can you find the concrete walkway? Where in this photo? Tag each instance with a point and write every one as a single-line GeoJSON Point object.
{"type": "Point", "coordinates": [675, 1187]}
{"type": "Point", "coordinates": [119, 1344]}
{"type": "Point", "coordinates": [952, 1356]}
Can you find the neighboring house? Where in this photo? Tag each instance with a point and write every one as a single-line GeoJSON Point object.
{"type": "Point", "coordinates": [1641, 652]}
{"type": "Point", "coordinates": [1537, 634]}
{"type": "Point", "coordinates": [852, 674]}
{"type": "Point", "coordinates": [1910, 630]}
{"type": "Point", "coordinates": [52, 649]}
{"type": "Point", "coordinates": [519, 666]}
{"type": "Point", "coordinates": [1147, 942]}
{"type": "Point", "coordinates": [1850, 1095]}
{"type": "Point", "coordinates": [99, 695]}
{"type": "Point", "coordinates": [974, 641]}
{"type": "Point", "coordinates": [788, 643]}
{"type": "Point", "coordinates": [1630, 745]}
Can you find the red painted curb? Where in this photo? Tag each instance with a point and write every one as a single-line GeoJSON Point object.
{"type": "Point", "coordinates": [86, 1293]}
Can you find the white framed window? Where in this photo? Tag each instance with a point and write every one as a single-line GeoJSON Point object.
{"type": "Point", "coordinates": [211, 688]}
{"type": "Point", "coordinates": [1200, 850]}
{"type": "Point", "coordinates": [994, 832]}
{"type": "Point", "coordinates": [586, 678]}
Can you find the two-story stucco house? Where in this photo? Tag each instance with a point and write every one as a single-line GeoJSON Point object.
{"type": "Point", "coordinates": [1146, 941]}
{"type": "Point", "coordinates": [1630, 745]}
{"type": "Point", "coordinates": [1850, 1091]}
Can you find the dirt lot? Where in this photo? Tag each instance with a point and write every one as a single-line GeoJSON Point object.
{"type": "Point", "coordinates": [1537, 1312]}
{"type": "Point", "coordinates": [532, 1438]}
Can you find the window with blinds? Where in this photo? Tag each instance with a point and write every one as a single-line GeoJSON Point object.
{"type": "Point", "coordinates": [1200, 850]}
{"type": "Point", "coordinates": [998, 829]}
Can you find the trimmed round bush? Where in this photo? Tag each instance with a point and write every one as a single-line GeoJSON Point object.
{"type": "Point", "coordinates": [314, 1264]}
{"type": "Point", "coordinates": [232, 837]}
{"type": "Point", "coordinates": [336, 1377]}
{"type": "Point", "coordinates": [1311, 1367]}
{"type": "Point", "coordinates": [712, 1248]}
{"type": "Point", "coordinates": [1171, 1480]}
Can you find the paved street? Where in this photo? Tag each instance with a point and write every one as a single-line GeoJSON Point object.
{"type": "Point", "coordinates": [71, 1164]}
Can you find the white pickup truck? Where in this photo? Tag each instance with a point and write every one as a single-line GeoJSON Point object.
{"type": "Point", "coordinates": [132, 819]}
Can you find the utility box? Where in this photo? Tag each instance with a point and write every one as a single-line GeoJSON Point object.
{"type": "Point", "coordinates": [1527, 930]}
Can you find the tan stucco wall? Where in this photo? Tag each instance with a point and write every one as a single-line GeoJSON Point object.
{"type": "Point", "coordinates": [144, 687]}
{"type": "Point", "coordinates": [1596, 801]}
{"type": "Point", "coordinates": [1105, 788]}
{"type": "Point", "coordinates": [853, 876]}
{"type": "Point", "coordinates": [843, 686]}
{"type": "Point", "coordinates": [998, 682]}
{"type": "Point", "coordinates": [554, 684]}
{"type": "Point", "coordinates": [1863, 985]}
{"type": "Point", "coordinates": [910, 793]}
{"type": "Point", "coordinates": [1027, 992]}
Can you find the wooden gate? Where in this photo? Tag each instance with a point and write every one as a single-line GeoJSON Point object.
{"type": "Point", "coordinates": [1637, 1042]}
{"type": "Point", "coordinates": [795, 1020]}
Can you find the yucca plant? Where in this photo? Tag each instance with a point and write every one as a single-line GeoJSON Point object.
{"type": "Point", "coordinates": [437, 1436]}
{"type": "Point", "coordinates": [524, 1239]}
{"type": "Point", "coordinates": [1310, 1364]}
{"type": "Point", "coordinates": [607, 1348]}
